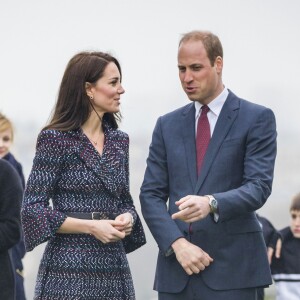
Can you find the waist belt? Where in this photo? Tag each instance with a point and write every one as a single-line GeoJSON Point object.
{"type": "Point", "coordinates": [92, 215]}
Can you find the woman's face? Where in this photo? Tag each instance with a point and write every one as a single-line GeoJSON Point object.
{"type": "Point", "coordinates": [5, 142]}
{"type": "Point", "coordinates": [107, 91]}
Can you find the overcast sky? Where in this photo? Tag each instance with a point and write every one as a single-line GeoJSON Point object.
{"type": "Point", "coordinates": [260, 38]}
{"type": "Point", "coordinates": [261, 61]}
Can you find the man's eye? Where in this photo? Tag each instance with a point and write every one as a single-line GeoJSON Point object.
{"type": "Point", "coordinates": [196, 68]}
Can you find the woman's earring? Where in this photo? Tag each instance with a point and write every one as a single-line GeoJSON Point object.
{"type": "Point", "coordinates": [91, 97]}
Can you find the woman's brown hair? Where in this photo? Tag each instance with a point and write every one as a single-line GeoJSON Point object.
{"type": "Point", "coordinates": [73, 106]}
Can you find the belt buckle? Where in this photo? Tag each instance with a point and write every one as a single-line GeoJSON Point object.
{"type": "Point", "coordinates": [96, 215]}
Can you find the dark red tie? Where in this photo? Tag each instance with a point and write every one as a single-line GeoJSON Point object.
{"type": "Point", "coordinates": [203, 136]}
{"type": "Point", "coordinates": [202, 141]}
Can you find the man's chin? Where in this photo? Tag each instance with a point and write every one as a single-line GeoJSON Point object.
{"type": "Point", "coordinates": [192, 98]}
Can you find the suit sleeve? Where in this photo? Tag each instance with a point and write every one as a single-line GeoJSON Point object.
{"type": "Point", "coordinates": [11, 193]}
{"type": "Point", "coordinates": [155, 194]}
{"type": "Point", "coordinates": [259, 160]}
{"type": "Point", "coordinates": [40, 221]}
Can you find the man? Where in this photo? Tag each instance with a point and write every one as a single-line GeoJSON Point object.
{"type": "Point", "coordinates": [11, 192]}
{"type": "Point", "coordinates": [204, 181]}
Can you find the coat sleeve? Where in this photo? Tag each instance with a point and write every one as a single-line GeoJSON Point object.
{"type": "Point", "coordinates": [40, 221]}
{"type": "Point", "coordinates": [10, 202]}
{"type": "Point", "coordinates": [137, 237]}
{"type": "Point", "coordinates": [126, 202]}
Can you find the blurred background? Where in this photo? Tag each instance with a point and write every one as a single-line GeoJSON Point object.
{"type": "Point", "coordinates": [261, 63]}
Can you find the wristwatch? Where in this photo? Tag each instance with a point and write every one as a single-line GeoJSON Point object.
{"type": "Point", "coordinates": [213, 204]}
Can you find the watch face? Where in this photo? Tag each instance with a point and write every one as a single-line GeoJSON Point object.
{"type": "Point", "coordinates": [213, 204]}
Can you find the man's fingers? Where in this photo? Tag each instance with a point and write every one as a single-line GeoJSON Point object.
{"type": "Point", "coordinates": [182, 200]}
{"type": "Point", "coordinates": [187, 215]}
{"type": "Point", "coordinates": [195, 269]}
{"type": "Point", "coordinates": [206, 261]}
{"type": "Point", "coordinates": [181, 214]}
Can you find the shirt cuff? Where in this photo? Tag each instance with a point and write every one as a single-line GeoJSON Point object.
{"type": "Point", "coordinates": [216, 217]}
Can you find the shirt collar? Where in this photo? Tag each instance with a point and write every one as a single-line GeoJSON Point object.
{"type": "Point", "coordinates": [215, 106]}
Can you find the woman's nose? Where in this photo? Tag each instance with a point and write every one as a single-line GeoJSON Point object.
{"type": "Point", "coordinates": [121, 90]}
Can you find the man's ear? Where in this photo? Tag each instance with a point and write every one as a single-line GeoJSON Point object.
{"type": "Point", "coordinates": [219, 64]}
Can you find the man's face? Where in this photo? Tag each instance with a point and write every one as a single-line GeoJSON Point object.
{"type": "Point", "coordinates": [200, 80]}
{"type": "Point", "coordinates": [295, 223]}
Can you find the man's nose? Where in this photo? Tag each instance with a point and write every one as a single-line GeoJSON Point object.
{"type": "Point", "coordinates": [188, 76]}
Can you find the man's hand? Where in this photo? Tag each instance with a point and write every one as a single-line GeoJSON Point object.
{"type": "Point", "coordinates": [192, 258]}
{"type": "Point", "coordinates": [192, 208]}
{"type": "Point", "coordinates": [277, 250]}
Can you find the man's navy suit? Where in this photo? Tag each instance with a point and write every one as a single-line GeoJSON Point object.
{"type": "Point", "coordinates": [237, 170]}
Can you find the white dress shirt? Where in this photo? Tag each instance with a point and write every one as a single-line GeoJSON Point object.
{"type": "Point", "coordinates": [215, 107]}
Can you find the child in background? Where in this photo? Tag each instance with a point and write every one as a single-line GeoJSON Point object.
{"type": "Point", "coordinates": [286, 269]}
{"type": "Point", "coordinates": [273, 243]}
{"type": "Point", "coordinates": [18, 251]}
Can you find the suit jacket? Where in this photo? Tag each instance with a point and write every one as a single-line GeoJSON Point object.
{"type": "Point", "coordinates": [10, 225]}
{"type": "Point", "coordinates": [237, 170]}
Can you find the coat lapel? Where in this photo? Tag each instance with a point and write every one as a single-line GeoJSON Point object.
{"type": "Point", "coordinates": [188, 133]}
{"type": "Point", "coordinates": [105, 167]}
{"type": "Point", "coordinates": [226, 118]}
{"type": "Point", "coordinates": [87, 153]}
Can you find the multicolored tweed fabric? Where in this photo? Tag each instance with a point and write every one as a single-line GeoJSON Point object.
{"type": "Point", "coordinates": [69, 173]}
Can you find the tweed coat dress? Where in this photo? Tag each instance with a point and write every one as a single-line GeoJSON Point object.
{"type": "Point", "coordinates": [69, 171]}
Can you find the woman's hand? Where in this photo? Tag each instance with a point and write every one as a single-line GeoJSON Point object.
{"type": "Point", "coordinates": [107, 230]}
{"type": "Point", "coordinates": [124, 223]}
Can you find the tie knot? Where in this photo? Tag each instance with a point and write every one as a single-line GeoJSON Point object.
{"type": "Point", "coordinates": [205, 109]}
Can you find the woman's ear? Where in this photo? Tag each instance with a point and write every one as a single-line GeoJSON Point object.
{"type": "Point", "coordinates": [88, 89]}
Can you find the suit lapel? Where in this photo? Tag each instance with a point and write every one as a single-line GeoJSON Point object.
{"type": "Point", "coordinates": [188, 133]}
{"type": "Point", "coordinates": [226, 118]}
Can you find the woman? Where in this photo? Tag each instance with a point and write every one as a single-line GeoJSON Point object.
{"type": "Point", "coordinates": [18, 250]}
{"type": "Point", "coordinates": [10, 226]}
{"type": "Point", "coordinates": [81, 165]}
